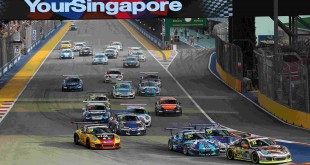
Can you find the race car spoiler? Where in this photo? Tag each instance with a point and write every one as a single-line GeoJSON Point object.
{"type": "Point", "coordinates": [84, 123]}
{"type": "Point", "coordinates": [124, 81]}
{"type": "Point", "coordinates": [176, 128]}
{"type": "Point", "coordinates": [85, 101]}
{"type": "Point", "coordinates": [149, 72]}
{"type": "Point", "coordinates": [134, 47]}
{"type": "Point", "coordinates": [195, 125]}
{"type": "Point", "coordinates": [71, 75]}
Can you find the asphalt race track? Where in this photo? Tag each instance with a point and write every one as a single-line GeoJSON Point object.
{"type": "Point", "coordinates": [38, 129]}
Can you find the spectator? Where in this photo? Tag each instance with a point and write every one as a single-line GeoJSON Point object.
{"type": "Point", "coordinates": [197, 35]}
{"type": "Point", "coordinates": [185, 33]}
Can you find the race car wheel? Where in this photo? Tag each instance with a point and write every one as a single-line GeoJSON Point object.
{"type": "Point", "coordinates": [230, 154]}
{"type": "Point", "coordinates": [255, 158]}
{"type": "Point", "coordinates": [156, 113]}
{"type": "Point", "coordinates": [88, 144]}
{"type": "Point", "coordinates": [76, 139]}
{"type": "Point", "coordinates": [170, 145]}
{"type": "Point", "coordinates": [185, 150]}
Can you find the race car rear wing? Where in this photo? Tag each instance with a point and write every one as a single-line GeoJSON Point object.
{"type": "Point", "coordinates": [148, 73]}
{"type": "Point", "coordinates": [171, 129]}
{"type": "Point", "coordinates": [85, 101]}
{"type": "Point", "coordinates": [85, 123]}
{"type": "Point", "coordinates": [72, 75]}
{"type": "Point", "coordinates": [124, 81]}
{"type": "Point", "coordinates": [195, 125]}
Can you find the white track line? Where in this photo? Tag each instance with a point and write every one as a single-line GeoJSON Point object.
{"type": "Point", "coordinates": [34, 72]}
{"type": "Point", "coordinates": [176, 53]}
{"type": "Point", "coordinates": [188, 95]}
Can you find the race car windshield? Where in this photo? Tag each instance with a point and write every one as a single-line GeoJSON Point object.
{"type": "Point", "coordinates": [122, 86]}
{"type": "Point", "coordinates": [151, 77]}
{"type": "Point", "coordinates": [149, 84]}
{"type": "Point", "coordinates": [97, 107]}
{"type": "Point", "coordinates": [261, 142]}
{"type": "Point", "coordinates": [73, 80]}
{"type": "Point", "coordinates": [109, 51]}
{"type": "Point", "coordinates": [100, 98]}
{"type": "Point", "coordinates": [140, 111]}
{"type": "Point", "coordinates": [86, 49]}
{"type": "Point", "coordinates": [194, 136]}
{"type": "Point", "coordinates": [130, 118]}
{"type": "Point", "coordinates": [65, 42]}
{"type": "Point", "coordinates": [131, 59]}
{"type": "Point", "coordinates": [100, 56]}
{"type": "Point", "coordinates": [114, 72]}
{"type": "Point", "coordinates": [168, 102]}
{"type": "Point", "coordinates": [78, 44]}
{"type": "Point", "coordinates": [219, 133]}
{"type": "Point", "coordinates": [66, 51]}
{"type": "Point", "coordinates": [115, 43]}
{"type": "Point", "coordinates": [98, 130]}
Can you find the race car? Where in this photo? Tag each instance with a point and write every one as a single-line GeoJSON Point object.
{"type": "Point", "coordinates": [139, 55]}
{"type": "Point", "coordinates": [72, 83]}
{"type": "Point", "coordinates": [73, 27]}
{"type": "Point", "coordinates": [127, 124]}
{"type": "Point", "coordinates": [133, 50]}
{"type": "Point", "coordinates": [258, 150]}
{"type": "Point", "coordinates": [77, 46]}
{"type": "Point", "coordinates": [193, 143]}
{"type": "Point", "coordinates": [86, 51]}
{"type": "Point", "coordinates": [98, 97]}
{"type": "Point", "coordinates": [66, 53]}
{"type": "Point", "coordinates": [118, 45]}
{"type": "Point", "coordinates": [218, 132]}
{"type": "Point", "coordinates": [96, 136]}
{"type": "Point", "coordinates": [96, 111]}
{"type": "Point", "coordinates": [152, 76]}
{"type": "Point", "coordinates": [112, 47]}
{"type": "Point", "coordinates": [168, 105]}
{"type": "Point", "coordinates": [123, 89]}
{"type": "Point", "coordinates": [148, 88]}
{"type": "Point", "coordinates": [113, 75]}
{"type": "Point", "coordinates": [100, 58]}
{"type": "Point", "coordinates": [131, 61]}
{"type": "Point", "coordinates": [111, 53]}
{"type": "Point", "coordinates": [65, 45]}
{"type": "Point", "coordinates": [140, 111]}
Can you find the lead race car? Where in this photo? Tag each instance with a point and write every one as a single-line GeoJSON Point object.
{"type": "Point", "coordinates": [96, 136]}
{"type": "Point", "coordinates": [258, 150]}
{"type": "Point", "coordinates": [123, 89]}
{"type": "Point", "coordinates": [192, 142]}
{"type": "Point", "coordinates": [127, 124]}
{"type": "Point", "coordinates": [140, 111]}
{"type": "Point", "coordinates": [96, 111]}
{"type": "Point", "coordinates": [72, 83]}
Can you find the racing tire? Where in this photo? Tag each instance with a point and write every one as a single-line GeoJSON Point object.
{"type": "Point", "coordinates": [230, 154]}
{"type": "Point", "coordinates": [76, 139]}
{"type": "Point", "coordinates": [185, 150]}
{"type": "Point", "coordinates": [88, 144]}
{"type": "Point", "coordinates": [170, 145]}
{"type": "Point", "coordinates": [255, 158]}
{"type": "Point", "coordinates": [156, 113]}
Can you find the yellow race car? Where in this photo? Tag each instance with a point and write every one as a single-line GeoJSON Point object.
{"type": "Point", "coordinates": [97, 136]}
{"type": "Point", "coordinates": [65, 45]}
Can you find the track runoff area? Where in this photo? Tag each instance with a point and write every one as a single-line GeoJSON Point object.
{"type": "Point", "coordinates": [38, 128]}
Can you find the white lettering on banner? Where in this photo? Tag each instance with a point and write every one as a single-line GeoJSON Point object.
{"type": "Point", "coordinates": [5, 69]}
{"type": "Point", "coordinates": [110, 8]}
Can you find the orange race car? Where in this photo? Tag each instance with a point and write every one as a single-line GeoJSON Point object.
{"type": "Point", "coordinates": [96, 136]}
{"type": "Point", "coordinates": [168, 105]}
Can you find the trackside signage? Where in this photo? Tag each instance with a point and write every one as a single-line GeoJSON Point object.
{"type": "Point", "coordinates": [108, 7]}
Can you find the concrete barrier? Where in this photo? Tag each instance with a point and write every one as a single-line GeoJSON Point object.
{"type": "Point", "coordinates": [7, 67]}
{"type": "Point", "coordinates": [286, 114]}
{"type": "Point", "coordinates": [156, 41]}
{"type": "Point", "coordinates": [228, 79]}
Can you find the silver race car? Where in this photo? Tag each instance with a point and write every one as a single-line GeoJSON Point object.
{"type": "Point", "coordinates": [123, 89]}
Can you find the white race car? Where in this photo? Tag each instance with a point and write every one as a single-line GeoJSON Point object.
{"type": "Point", "coordinates": [118, 45]}
{"type": "Point", "coordinates": [113, 75]}
{"type": "Point", "coordinates": [77, 46]}
{"type": "Point", "coordinates": [133, 50]}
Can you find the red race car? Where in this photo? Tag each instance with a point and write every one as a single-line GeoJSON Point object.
{"type": "Point", "coordinates": [168, 105]}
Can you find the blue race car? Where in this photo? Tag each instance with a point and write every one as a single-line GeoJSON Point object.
{"type": "Point", "coordinates": [100, 58]}
{"type": "Point", "coordinates": [66, 53]}
{"type": "Point", "coordinates": [72, 83]}
{"type": "Point", "coordinates": [140, 111]}
{"type": "Point", "coordinates": [123, 89]}
{"type": "Point", "coordinates": [127, 124]}
{"type": "Point", "coordinates": [96, 111]}
{"type": "Point", "coordinates": [216, 131]}
{"type": "Point", "coordinates": [148, 88]}
{"type": "Point", "coordinates": [193, 142]}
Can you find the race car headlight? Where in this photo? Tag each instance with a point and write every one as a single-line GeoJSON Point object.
{"type": "Point", "coordinates": [117, 138]}
{"type": "Point", "coordinates": [94, 138]}
{"type": "Point", "coordinates": [147, 117]}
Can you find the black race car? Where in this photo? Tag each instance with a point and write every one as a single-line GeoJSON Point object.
{"type": "Point", "coordinates": [86, 51]}
{"type": "Point", "coordinates": [72, 83]}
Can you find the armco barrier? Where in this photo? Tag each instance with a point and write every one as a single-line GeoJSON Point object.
{"type": "Point", "coordinates": [228, 79]}
{"type": "Point", "coordinates": [290, 116]}
{"type": "Point", "coordinates": [156, 41]}
{"type": "Point", "coordinates": [7, 67]}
